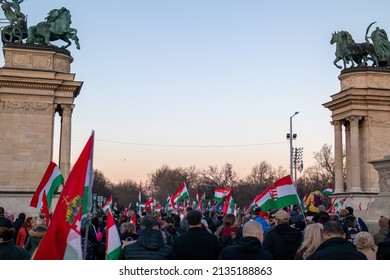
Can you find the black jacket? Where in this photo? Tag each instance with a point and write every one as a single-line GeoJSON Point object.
{"type": "Point", "coordinates": [149, 246]}
{"type": "Point", "coordinates": [248, 248]}
{"type": "Point", "coordinates": [282, 242]}
{"type": "Point", "coordinates": [196, 244]}
{"type": "Point", "coordinates": [9, 251]}
{"type": "Point", "coordinates": [336, 248]}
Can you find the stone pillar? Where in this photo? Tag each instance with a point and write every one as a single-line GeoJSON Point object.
{"type": "Point", "coordinates": [65, 140]}
{"type": "Point", "coordinates": [348, 155]}
{"type": "Point", "coordinates": [355, 153]}
{"type": "Point", "coordinates": [338, 156]}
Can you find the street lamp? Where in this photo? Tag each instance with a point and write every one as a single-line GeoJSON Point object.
{"type": "Point", "coordinates": [291, 136]}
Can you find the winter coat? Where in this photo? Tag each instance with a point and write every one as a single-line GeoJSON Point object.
{"type": "Point", "coordinates": [35, 236]}
{"type": "Point", "coordinates": [21, 238]}
{"type": "Point", "coordinates": [149, 246]}
{"type": "Point", "coordinates": [9, 251]}
{"type": "Point", "coordinates": [248, 248]}
{"type": "Point", "coordinates": [337, 248]}
{"type": "Point", "coordinates": [196, 244]}
{"type": "Point", "coordinates": [283, 242]}
{"type": "Point", "coordinates": [380, 236]}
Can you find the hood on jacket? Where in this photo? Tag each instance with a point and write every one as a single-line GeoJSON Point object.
{"type": "Point", "coordinates": [151, 239]}
{"type": "Point", "coordinates": [288, 234]}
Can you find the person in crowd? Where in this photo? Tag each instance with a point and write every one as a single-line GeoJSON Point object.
{"type": "Point", "coordinates": [184, 222]}
{"type": "Point", "coordinates": [170, 231]}
{"type": "Point", "coordinates": [246, 218]}
{"type": "Point", "coordinates": [361, 224]}
{"type": "Point", "coordinates": [351, 228]}
{"type": "Point", "coordinates": [150, 245]}
{"type": "Point", "coordinates": [259, 217]}
{"type": "Point", "coordinates": [249, 247]}
{"type": "Point", "coordinates": [9, 214]}
{"type": "Point", "coordinates": [4, 222]}
{"type": "Point", "coordinates": [196, 243]}
{"type": "Point", "coordinates": [36, 234]}
{"type": "Point", "coordinates": [227, 233]}
{"type": "Point", "coordinates": [127, 233]}
{"type": "Point", "coordinates": [364, 243]}
{"type": "Point", "coordinates": [312, 239]}
{"type": "Point", "coordinates": [18, 224]}
{"type": "Point", "coordinates": [8, 249]}
{"type": "Point", "coordinates": [321, 214]}
{"type": "Point", "coordinates": [383, 252]}
{"type": "Point", "coordinates": [283, 240]}
{"type": "Point", "coordinates": [21, 239]}
{"type": "Point", "coordinates": [210, 221]}
{"type": "Point", "coordinates": [335, 245]}
{"type": "Point", "coordinates": [315, 199]}
{"type": "Point", "coordinates": [383, 224]}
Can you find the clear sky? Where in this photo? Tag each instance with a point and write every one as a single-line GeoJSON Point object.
{"type": "Point", "coordinates": [205, 82]}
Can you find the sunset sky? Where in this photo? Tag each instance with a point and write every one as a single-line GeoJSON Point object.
{"type": "Point", "coordinates": [205, 82]}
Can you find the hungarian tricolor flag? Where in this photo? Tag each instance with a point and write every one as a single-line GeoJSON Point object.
{"type": "Point", "coordinates": [282, 193]}
{"type": "Point", "coordinates": [43, 196]}
{"type": "Point", "coordinates": [221, 193]}
{"type": "Point", "coordinates": [180, 195]}
{"type": "Point", "coordinates": [62, 239]}
{"type": "Point", "coordinates": [229, 205]}
{"type": "Point", "coordinates": [113, 241]}
{"type": "Point", "coordinates": [108, 204]}
{"type": "Point", "coordinates": [329, 190]}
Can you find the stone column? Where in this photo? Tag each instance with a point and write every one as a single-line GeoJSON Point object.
{"type": "Point", "coordinates": [65, 140]}
{"type": "Point", "coordinates": [348, 154]}
{"type": "Point", "coordinates": [355, 153]}
{"type": "Point", "coordinates": [338, 156]}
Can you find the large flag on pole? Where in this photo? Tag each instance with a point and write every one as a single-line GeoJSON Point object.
{"type": "Point", "coordinates": [229, 205]}
{"type": "Point", "coordinates": [265, 201]}
{"type": "Point", "coordinates": [43, 196]}
{"type": "Point", "coordinates": [113, 241]}
{"type": "Point", "coordinates": [62, 239]}
{"type": "Point", "coordinates": [286, 193]}
{"type": "Point", "coordinates": [329, 190]}
{"type": "Point", "coordinates": [180, 195]}
{"type": "Point", "coordinates": [221, 193]}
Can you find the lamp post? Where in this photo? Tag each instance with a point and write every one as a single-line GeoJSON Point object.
{"type": "Point", "coordinates": [291, 136]}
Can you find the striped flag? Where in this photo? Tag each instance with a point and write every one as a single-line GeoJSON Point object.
{"type": "Point", "coordinates": [221, 193]}
{"type": "Point", "coordinates": [229, 205]}
{"type": "Point", "coordinates": [43, 196]}
{"type": "Point", "coordinates": [180, 195]}
{"type": "Point", "coordinates": [113, 241]}
{"type": "Point", "coordinates": [329, 190]}
{"type": "Point", "coordinates": [108, 204]}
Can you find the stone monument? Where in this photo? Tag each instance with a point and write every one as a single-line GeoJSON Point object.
{"type": "Point", "coordinates": [362, 108]}
{"type": "Point", "coordinates": [35, 83]}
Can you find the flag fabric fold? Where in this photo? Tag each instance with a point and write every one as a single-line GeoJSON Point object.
{"type": "Point", "coordinates": [108, 204]}
{"type": "Point", "coordinates": [221, 193]}
{"type": "Point", "coordinates": [44, 193]}
{"type": "Point", "coordinates": [329, 190]}
{"type": "Point", "coordinates": [113, 241]}
{"type": "Point", "coordinates": [180, 195]}
{"type": "Point", "coordinates": [62, 239]}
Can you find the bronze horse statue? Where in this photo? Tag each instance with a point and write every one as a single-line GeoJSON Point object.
{"type": "Point", "coordinates": [56, 27]}
{"type": "Point", "coordinates": [350, 52]}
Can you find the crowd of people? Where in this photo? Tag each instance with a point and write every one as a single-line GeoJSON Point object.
{"type": "Point", "coordinates": [278, 234]}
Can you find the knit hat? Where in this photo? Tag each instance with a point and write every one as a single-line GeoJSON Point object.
{"type": "Point", "coordinates": [383, 222]}
{"type": "Point", "coordinates": [364, 240]}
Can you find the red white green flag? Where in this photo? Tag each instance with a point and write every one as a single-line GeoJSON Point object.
{"type": "Point", "coordinates": [62, 239]}
{"type": "Point", "coordinates": [329, 190]}
{"type": "Point", "coordinates": [265, 201]}
{"type": "Point", "coordinates": [286, 192]}
{"type": "Point", "coordinates": [229, 205]}
{"type": "Point", "coordinates": [221, 193]}
{"type": "Point", "coordinates": [50, 182]}
{"type": "Point", "coordinates": [180, 195]}
{"type": "Point", "coordinates": [113, 241]}
{"type": "Point", "coordinates": [108, 204]}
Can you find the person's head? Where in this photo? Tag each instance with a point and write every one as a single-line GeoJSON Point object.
{"type": "Point", "coordinates": [157, 215]}
{"type": "Point", "coordinates": [229, 220]}
{"type": "Point", "coordinates": [321, 208]}
{"type": "Point", "coordinates": [9, 215]}
{"type": "Point", "coordinates": [333, 229]}
{"type": "Point", "coordinates": [6, 234]}
{"type": "Point", "coordinates": [125, 227]}
{"type": "Point", "coordinates": [123, 219]}
{"type": "Point", "coordinates": [312, 239]}
{"type": "Point", "coordinates": [206, 213]}
{"type": "Point", "coordinates": [350, 210]}
{"type": "Point", "coordinates": [364, 240]}
{"type": "Point", "coordinates": [253, 229]}
{"type": "Point", "coordinates": [383, 222]}
{"type": "Point", "coordinates": [186, 210]}
{"type": "Point", "coordinates": [149, 222]}
{"type": "Point", "coordinates": [194, 218]}
{"type": "Point", "coordinates": [282, 217]}
{"type": "Point", "coordinates": [2, 212]}
{"type": "Point", "coordinates": [271, 215]}
{"type": "Point", "coordinates": [344, 213]}
{"type": "Point", "coordinates": [351, 221]}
